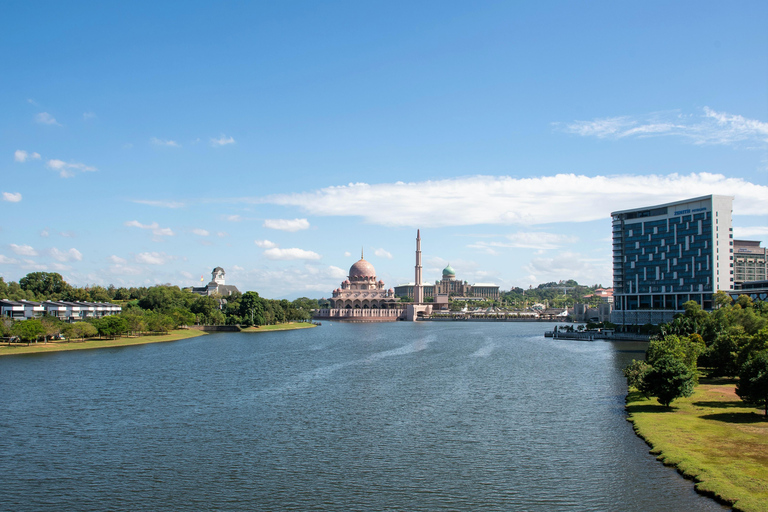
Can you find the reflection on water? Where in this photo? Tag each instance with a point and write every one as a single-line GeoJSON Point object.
{"type": "Point", "coordinates": [401, 416]}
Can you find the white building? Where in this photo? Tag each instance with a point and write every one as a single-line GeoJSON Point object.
{"type": "Point", "coordinates": [668, 254]}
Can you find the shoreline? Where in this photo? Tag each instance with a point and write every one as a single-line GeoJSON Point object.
{"type": "Point", "coordinates": [95, 343]}
{"type": "Point", "coordinates": [711, 438]}
{"type": "Point", "coordinates": [126, 341]}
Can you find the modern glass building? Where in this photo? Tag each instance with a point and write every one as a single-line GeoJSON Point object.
{"type": "Point", "coordinates": [668, 254]}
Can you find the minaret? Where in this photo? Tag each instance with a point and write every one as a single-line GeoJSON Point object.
{"type": "Point", "coordinates": [418, 289]}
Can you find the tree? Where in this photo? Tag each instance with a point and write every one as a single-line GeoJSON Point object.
{"type": "Point", "coordinates": [52, 326]}
{"type": "Point", "coordinates": [635, 373]}
{"type": "Point", "coordinates": [80, 330]}
{"type": "Point", "coordinates": [111, 326]}
{"type": "Point", "coordinates": [686, 349]}
{"type": "Point", "coordinates": [252, 308]}
{"type": "Point", "coordinates": [44, 283]}
{"type": "Point", "coordinates": [668, 379]}
{"type": "Point", "coordinates": [753, 381]}
{"type": "Point", "coordinates": [28, 330]}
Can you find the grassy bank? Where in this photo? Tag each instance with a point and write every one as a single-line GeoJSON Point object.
{"type": "Point", "coordinates": [57, 346]}
{"type": "Point", "coordinates": [712, 438]}
{"type": "Point", "coordinates": [288, 326]}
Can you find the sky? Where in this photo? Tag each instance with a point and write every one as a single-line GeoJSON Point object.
{"type": "Point", "coordinates": [146, 143]}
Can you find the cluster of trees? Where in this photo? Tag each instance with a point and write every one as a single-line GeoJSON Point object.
{"type": "Point", "coordinates": [557, 295]}
{"type": "Point", "coordinates": [153, 309]}
{"type": "Point", "coordinates": [731, 341]}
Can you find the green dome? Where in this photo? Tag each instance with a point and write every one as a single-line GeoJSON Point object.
{"type": "Point", "coordinates": [448, 271]}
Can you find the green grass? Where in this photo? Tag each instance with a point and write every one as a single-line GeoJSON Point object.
{"type": "Point", "coordinates": [279, 327]}
{"type": "Point", "coordinates": [37, 348]}
{"type": "Point", "coordinates": [711, 437]}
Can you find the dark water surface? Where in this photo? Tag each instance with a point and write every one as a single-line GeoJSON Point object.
{"type": "Point", "coordinates": [401, 416]}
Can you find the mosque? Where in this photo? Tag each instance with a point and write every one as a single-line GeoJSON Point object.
{"type": "Point", "coordinates": [361, 290]}
{"type": "Point", "coordinates": [451, 287]}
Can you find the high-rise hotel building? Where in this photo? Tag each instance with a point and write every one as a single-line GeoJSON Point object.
{"type": "Point", "coordinates": [668, 254]}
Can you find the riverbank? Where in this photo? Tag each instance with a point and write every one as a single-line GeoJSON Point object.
{"type": "Point", "coordinates": [289, 326]}
{"type": "Point", "coordinates": [94, 343]}
{"type": "Point", "coordinates": [711, 438]}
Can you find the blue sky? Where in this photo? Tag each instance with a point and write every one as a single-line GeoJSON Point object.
{"type": "Point", "coordinates": [148, 142]}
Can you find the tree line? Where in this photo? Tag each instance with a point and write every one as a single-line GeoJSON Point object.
{"type": "Point", "coordinates": [145, 309]}
{"type": "Point", "coordinates": [730, 341]}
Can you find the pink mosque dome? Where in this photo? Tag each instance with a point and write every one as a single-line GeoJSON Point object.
{"type": "Point", "coordinates": [362, 269]}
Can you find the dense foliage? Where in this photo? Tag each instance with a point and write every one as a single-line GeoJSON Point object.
{"type": "Point", "coordinates": [557, 295]}
{"type": "Point", "coordinates": [731, 341]}
{"type": "Point", "coordinates": [153, 309]}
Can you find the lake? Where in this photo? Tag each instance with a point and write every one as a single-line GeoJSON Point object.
{"type": "Point", "coordinates": [399, 416]}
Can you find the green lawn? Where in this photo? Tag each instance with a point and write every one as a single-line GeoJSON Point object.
{"type": "Point", "coordinates": [36, 348]}
{"type": "Point", "coordinates": [279, 327]}
{"type": "Point", "coordinates": [711, 437]}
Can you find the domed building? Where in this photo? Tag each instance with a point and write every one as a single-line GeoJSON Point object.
{"type": "Point", "coordinates": [361, 290]}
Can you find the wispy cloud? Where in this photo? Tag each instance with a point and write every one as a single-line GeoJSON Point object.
{"type": "Point", "coordinates": [708, 128]}
{"type": "Point", "coordinates": [503, 200]}
{"type": "Point", "coordinates": [117, 260]}
{"type": "Point", "coordinates": [201, 232]}
{"type": "Point", "coordinates": [265, 244]}
{"type": "Point", "coordinates": [67, 169]}
{"type": "Point", "coordinates": [168, 143]}
{"type": "Point", "coordinates": [70, 255]}
{"type": "Point", "coordinates": [161, 204]}
{"type": "Point", "coordinates": [223, 140]}
{"type": "Point", "coordinates": [5, 260]}
{"type": "Point", "coordinates": [46, 118]}
{"type": "Point", "coordinates": [291, 254]}
{"type": "Point", "coordinates": [12, 197]}
{"type": "Point", "coordinates": [286, 224]}
{"type": "Point", "coordinates": [87, 116]}
{"type": "Point", "coordinates": [154, 258]}
{"type": "Point", "coordinates": [154, 227]}
{"type": "Point", "coordinates": [22, 156]}
{"type": "Point", "coordinates": [233, 218]}
{"type": "Point", "coordinates": [742, 232]}
{"type": "Point", "coordinates": [23, 250]}
{"type": "Point", "coordinates": [381, 253]}
{"type": "Point", "coordinates": [526, 240]}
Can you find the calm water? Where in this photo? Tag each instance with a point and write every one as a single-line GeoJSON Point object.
{"type": "Point", "coordinates": [401, 416]}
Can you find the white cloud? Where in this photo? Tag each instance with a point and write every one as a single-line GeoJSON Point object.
{"type": "Point", "coordinates": [87, 116]}
{"type": "Point", "coordinates": [60, 267]}
{"type": "Point", "coordinates": [23, 250]}
{"type": "Point", "coordinates": [66, 170]}
{"type": "Point", "coordinates": [526, 240]}
{"type": "Point", "coordinates": [22, 156]}
{"type": "Point", "coordinates": [505, 200]}
{"type": "Point", "coordinates": [118, 260]}
{"type": "Point", "coordinates": [70, 255]}
{"type": "Point", "coordinates": [168, 143]}
{"type": "Point", "coordinates": [710, 127]}
{"type": "Point", "coordinates": [153, 258]}
{"type": "Point", "coordinates": [569, 265]}
{"type": "Point", "coordinates": [347, 254]}
{"type": "Point", "coordinates": [46, 118]}
{"type": "Point", "coordinates": [44, 233]}
{"type": "Point", "coordinates": [161, 204]}
{"type": "Point", "coordinates": [237, 267]}
{"type": "Point", "coordinates": [223, 140]}
{"type": "Point", "coordinates": [381, 253]}
{"type": "Point", "coordinates": [5, 260]}
{"type": "Point", "coordinates": [233, 218]}
{"type": "Point", "coordinates": [287, 224]}
{"type": "Point", "coordinates": [155, 227]}
{"type": "Point", "coordinates": [222, 234]}
{"type": "Point", "coordinates": [125, 270]}
{"type": "Point", "coordinates": [745, 232]}
{"type": "Point", "coordinates": [68, 234]}
{"type": "Point", "coordinates": [12, 197]}
{"type": "Point", "coordinates": [200, 232]}
{"type": "Point", "coordinates": [291, 254]}
{"type": "Point", "coordinates": [32, 102]}
{"type": "Point", "coordinates": [265, 244]}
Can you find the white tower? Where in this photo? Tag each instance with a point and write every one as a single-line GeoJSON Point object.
{"type": "Point", "coordinates": [418, 288]}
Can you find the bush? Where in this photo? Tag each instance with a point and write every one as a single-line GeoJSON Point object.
{"type": "Point", "coordinates": [668, 379]}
